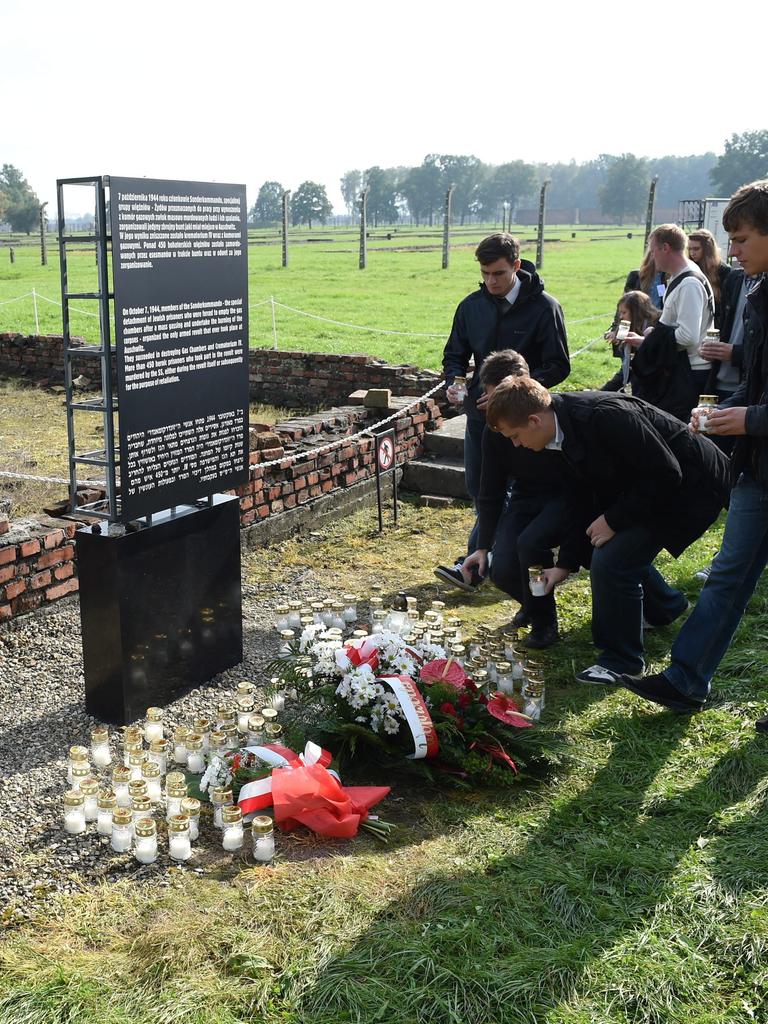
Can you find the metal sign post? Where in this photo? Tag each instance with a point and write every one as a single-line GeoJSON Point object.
{"type": "Point", "coordinates": [43, 239]}
{"type": "Point", "coordinates": [386, 462]}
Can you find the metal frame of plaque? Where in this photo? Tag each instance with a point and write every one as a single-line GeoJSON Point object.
{"type": "Point", "coordinates": [194, 432]}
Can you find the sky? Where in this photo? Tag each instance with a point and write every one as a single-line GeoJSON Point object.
{"type": "Point", "coordinates": [245, 92]}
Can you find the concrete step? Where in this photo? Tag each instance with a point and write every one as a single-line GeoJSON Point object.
{"type": "Point", "coordinates": [438, 475]}
{"type": "Point", "coordinates": [448, 440]}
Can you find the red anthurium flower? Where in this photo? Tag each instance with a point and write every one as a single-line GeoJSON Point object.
{"type": "Point", "coordinates": [448, 709]}
{"type": "Point", "coordinates": [444, 670]}
{"type": "Point", "coordinates": [501, 707]}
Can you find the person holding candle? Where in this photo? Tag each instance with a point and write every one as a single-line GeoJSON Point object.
{"type": "Point", "coordinates": [510, 310]}
{"type": "Point", "coordinates": [656, 484]}
{"type": "Point", "coordinates": [706, 635]}
{"type": "Point", "coordinates": [520, 507]}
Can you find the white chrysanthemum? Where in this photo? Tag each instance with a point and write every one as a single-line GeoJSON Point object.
{"type": "Point", "coordinates": [390, 704]}
{"type": "Point", "coordinates": [431, 651]}
{"type": "Point", "coordinates": [391, 726]}
{"type": "Point", "coordinates": [309, 636]}
{"type": "Point", "coordinates": [356, 701]}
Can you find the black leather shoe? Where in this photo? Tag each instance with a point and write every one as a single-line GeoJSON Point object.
{"type": "Point", "coordinates": [521, 619]}
{"type": "Point", "coordinates": [658, 689]}
{"type": "Point", "coordinates": [541, 637]}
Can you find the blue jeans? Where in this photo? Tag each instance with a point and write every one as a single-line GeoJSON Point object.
{"type": "Point", "coordinates": [530, 527]}
{"type": "Point", "coordinates": [625, 587]}
{"type": "Point", "coordinates": [707, 633]}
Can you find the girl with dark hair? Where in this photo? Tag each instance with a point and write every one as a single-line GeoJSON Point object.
{"type": "Point", "coordinates": [636, 308]}
{"type": "Point", "coordinates": [704, 251]}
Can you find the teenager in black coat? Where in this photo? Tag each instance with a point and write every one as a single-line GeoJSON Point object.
{"type": "Point", "coordinates": [657, 486]}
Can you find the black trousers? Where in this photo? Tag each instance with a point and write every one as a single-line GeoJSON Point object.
{"type": "Point", "coordinates": [531, 525]}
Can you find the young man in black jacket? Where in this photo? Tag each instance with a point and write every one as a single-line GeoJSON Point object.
{"type": "Point", "coordinates": [743, 555]}
{"type": "Point", "coordinates": [510, 310]}
{"type": "Point", "coordinates": [656, 485]}
{"type": "Point", "coordinates": [521, 510]}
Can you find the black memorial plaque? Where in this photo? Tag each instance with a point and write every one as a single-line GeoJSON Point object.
{"type": "Point", "coordinates": [179, 255]}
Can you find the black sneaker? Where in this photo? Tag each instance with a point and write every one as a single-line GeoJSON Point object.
{"type": "Point", "coordinates": [541, 637]}
{"type": "Point", "coordinates": [658, 689]}
{"type": "Point", "coordinates": [455, 577]}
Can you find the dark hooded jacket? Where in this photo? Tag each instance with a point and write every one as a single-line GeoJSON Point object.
{"type": "Point", "coordinates": [534, 326]}
{"type": "Point", "coordinates": [643, 465]}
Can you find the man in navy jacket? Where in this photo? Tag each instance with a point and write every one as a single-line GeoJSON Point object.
{"type": "Point", "coordinates": [510, 310]}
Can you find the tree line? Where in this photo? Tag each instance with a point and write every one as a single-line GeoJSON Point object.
{"type": "Point", "coordinates": [19, 205]}
{"type": "Point", "coordinates": [616, 184]}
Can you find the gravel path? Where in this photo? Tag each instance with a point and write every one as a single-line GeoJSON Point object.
{"type": "Point", "coordinates": [42, 713]}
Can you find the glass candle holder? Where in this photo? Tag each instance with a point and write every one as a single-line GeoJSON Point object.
{"type": "Point", "coordinates": [376, 605]}
{"type": "Point", "coordinates": [179, 843]}
{"type": "Point", "coordinates": [232, 834]}
{"type": "Point", "coordinates": [174, 793]}
{"type": "Point", "coordinates": [281, 612]}
{"type": "Point", "coordinates": [190, 806]}
{"type": "Point", "coordinates": [90, 789]}
{"type": "Point", "coordinates": [459, 390]}
{"type": "Point", "coordinates": [136, 761]}
{"type": "Point", "coordinates": [226, 718]}
{"type": "Point", "coordinates": [234, 739]}
{"type": "Point", "coordinates": [201, 727]}
{"type": "Point", "coordinates": [80, 772]}
{"type": "Point", "coordinates": [707, 405]}
{"type": "Point", "coordinates": [273, 732]}
{"type": "Point", "coordinates": [255, 731]}
{"type": "Point", "coordinates": [537, 583]}
{"type": "Point", "coordinates": [100, 752]}
{"type": "Point", "coordinates": [328, 611]}
{"type": "Point", "coordinates": [350, 608]}
{"type": "Point", "coordinates": [145, 845]}
{"type": "Point", "coordinates": [150, 773]}
{"type": "Point", "coordinates": [217, 743]}
{"type": "Point", "coordinates": [459, 653]}
{"type": "Point", "coordinates": [269, 715]}
{"type": "Point", "coordinates": [245, 708]}
{"type": "Point", "coordinates": [122, 829]}
{"type": "Point", "coordinates": [77, 755]}
{"type": "Point", "coordinates": [294, 614]}
{"type": "Point", "coordinates": [625, 326]}
{"type": "Point", "coordinates": [138, 787]}
{"type": "Point", "coordinates": [153, 725]}
{"type": "Point", "coordinates": [533, 700]}
{"type": "Point", "coordinates": [131, 746]}
{"type": "Point", "coordinates": [480, 679]}
{"type": "Point", "coordinates": [180, 744]}
{"type": "Point", "coordinates": [263, 839]}
{"type": "Point", "coordinates": [159, 751]}
{"type": "Point", "coordinates": [504, 679]}
{"type": "Point", "coordinates": [317, 612]}
{"type": "Point", "coordinates": [397, 620]}
{"type": "Point", "coordinates": [195, 756]}
{"type": "Point", "coordinates": [121, 776]}
{"type": "Point", "coordinates": [74, 812]}
{"type": "Point", "coordinates": [359, 634]}
{"type": "Point", "coordinates": [287, 638]}
{"type": "Point", "coordinates": [536, 684]}
{"type": "Point", "coordinates": [338, 621]}
{"type": "Point", "coordinates": [141, 807]}
{"type": "Point", "coordinates": [245, 688]}
{"type": "Point", "coordinates": [106, 804]}
{"type": "Point", "coordinates": [221, 797]}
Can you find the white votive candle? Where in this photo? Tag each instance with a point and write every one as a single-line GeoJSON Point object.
{"type": "Point", "coordinates": [74, 813]}
{"type": "Point", "coordinates": [145, 850]}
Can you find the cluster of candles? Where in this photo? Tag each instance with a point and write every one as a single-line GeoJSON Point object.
{"type": "Point", "coordinates": [141, 784]}
{"type": "Point", "coordinates": [489, 657]}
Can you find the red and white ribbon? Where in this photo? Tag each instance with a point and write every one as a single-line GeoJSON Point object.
{"type": "Point", "coordinates": [256, 795]}
{"type": "Point", "coordinates": [416, 715]}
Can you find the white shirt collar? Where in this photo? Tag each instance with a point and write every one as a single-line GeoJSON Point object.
{"type": "Point", "coordinates": [556, 444]}
{"type": "Point", "coordinates": [513, 292]}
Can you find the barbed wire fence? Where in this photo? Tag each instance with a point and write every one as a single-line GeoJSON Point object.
{"type": "Point", "coordinates": [292, 310]}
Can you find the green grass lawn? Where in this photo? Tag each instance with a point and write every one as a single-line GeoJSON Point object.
{"type": "Point", "coordinates": [630, 885]}
{"type": "Point", "coordinates": [399, 291]}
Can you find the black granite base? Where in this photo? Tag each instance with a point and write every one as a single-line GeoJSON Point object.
{"type": "Point", "coordinates": [160, 607]}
